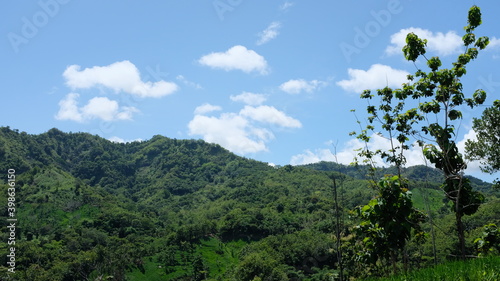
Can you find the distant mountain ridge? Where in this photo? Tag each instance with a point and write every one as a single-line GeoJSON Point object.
{"type": "Point", "coordinates": [420, 174]}
{"type": "Point", "coordinates": [93, 158]}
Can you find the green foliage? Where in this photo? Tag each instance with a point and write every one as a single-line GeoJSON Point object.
{"type": "Point", "coordinates": [167, 209]}
{"type": "Point", "coordinates": [487, 131]}
{"type": "Point", "coordinates": [387, 222]}
{"type": "Point", "coordinates": [439, 93]}
{"type": "Point", "coordinates": [260, 266]}
{"type": "Point", "coordinates": [489, 242]}
{"type": "Point", "coordinates": [141, 218]}
{"type": "Point", "coordinates": [479, 269]}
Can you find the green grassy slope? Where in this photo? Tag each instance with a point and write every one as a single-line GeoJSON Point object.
{"type": "Point", "coordinates": [484, 269]}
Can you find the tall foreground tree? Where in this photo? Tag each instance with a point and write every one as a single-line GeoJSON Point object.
{"type": "Point", "coordinates": [387, 221]}
{"type": "Point", "coordinates": [485, 148]}
{"type": "Point", "coordinates": [439, 93]}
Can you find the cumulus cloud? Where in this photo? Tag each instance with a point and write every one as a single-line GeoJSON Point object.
{"type": "Point", "coordinates": [68, 109]}
{"type": "Point", "coordinates": [249, 98]}
{"type": "Point", "coordinates": [101, 107]}
{"type": "Point", "coordinates": [345, 156]}
{"type": "Point", "coordinates": [494, 43]}
{"type": "Point", "coordinates": [117, 139]}
{"type": "Point", "coordinates": [244, 132]}
{"type": "Point", "coordinates": [377, 77]}
{"type": "Point", "coordinates": [414, 156]}
{"type": "Point", "coordinates": [472, 166]}
{"type": "Point", "coordinates": [297, 86]}
{"type": "Point", "coordinates": [348, 153]}
{"type": "Point", "coordinates": [269, 33]}
{"type": "Point", "coordinates": [271, 115]}
{"type": "Point", "coordinates": [120, 140]}
{"type": "Point", "coordinates": [96, 108]}
{"type": "Point", "coordinates": [206, 108]}
{"type": "Point", "coordinates": [441, 43]}
{"type": "Point", "coordinates": [120, 76]}
{"type": "Point", "coordinates": [236, 58]}
{"type": "Point", "coordinates": [309, 157]}
{"type": "Point", "coordinates": [230, 131]}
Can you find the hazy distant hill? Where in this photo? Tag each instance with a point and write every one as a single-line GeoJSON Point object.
{"type": "Point", "coordinates": [420, 175]}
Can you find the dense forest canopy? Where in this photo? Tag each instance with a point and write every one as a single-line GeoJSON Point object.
{"type": "Point", "coordinates": [167, 209]}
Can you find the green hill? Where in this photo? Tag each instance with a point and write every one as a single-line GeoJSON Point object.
{"type": "Point", "coordinates": [167, 209]}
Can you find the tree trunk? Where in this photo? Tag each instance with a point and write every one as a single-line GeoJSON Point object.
{"type": "Point", "coordinates": [393, 260]}
{"type": "Point", "coordinates": [461, 235]}
{"type": "Point", "coordinates": [429, 214]}
{"type": "Point", "coordinates": [460, 225]}
{"type": "Point", "coordinates": [339, 246]}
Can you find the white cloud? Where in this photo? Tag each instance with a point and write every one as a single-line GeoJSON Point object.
{"type": "Point", "coordinates": [187, 82]}
{"type": "Point", "coordinates": [101, 107]}
{"type": "Point", "coordinates": [443, 44]}
{"type": "Point", "coordinates": [377, 77]}
{"type": "Point", "coordinates": [236, 58]}
{"type": "Point", "coordinates": [414, 156]}
{"type": "Point", "coordinates": [494, 43]}
{"type": "Point", "coordinates": [287, 5]}
{"type": "Point", "coordinates": [269, 33]}
{"type": "Point", "coordinates": [96, 108]}
{"type": "Point", "coordinates": [120, 140]}
{"type": "Point", "coordinates": [296, 86]}
{"type": "Point", "coordinates": [309, 157]}
{"type": "Point", "coordinates": [120, 76]}
{"type": "Point", "coordinates": [346, 156]}
{"type": "Point", "coordinates": [470, 135]}
{"type": "Point", "coordinates": [472, 166]}
{"type": "Point", "coordinates": [231, 131]}
{"type": "Point", "coordinates": [269, 114]}
{"type": "Point", "coordinates": [244, 132]}
{"type": "Point", "coordinates": [206, 108]}
{"type": "Point", "coordinates": [68, 109]}
{"type": "Point", "coordinates": [117, 139]}
{"type": "Point", "coordinates": [126, 113]}
{"type": "Point", "coordinates": [249, 98]}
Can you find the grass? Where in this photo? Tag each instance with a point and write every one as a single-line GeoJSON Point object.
{"type": "Point", "coordinates": [481, 269]}
{"type": "Point", "coordinates": [434, 197]}
{"type": "Point", "coordinates": [218, 258]}
{"type": "Point", "coordinates": [153, 272]}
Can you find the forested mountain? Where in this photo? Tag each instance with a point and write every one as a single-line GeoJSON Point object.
{"type": "Point", "coordinates": [420, 175]}
{"type": "Point", "coordinates": [167, 209]}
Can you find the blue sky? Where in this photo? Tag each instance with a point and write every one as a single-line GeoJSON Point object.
{"type": "Point", "coordinates": [269, 80]}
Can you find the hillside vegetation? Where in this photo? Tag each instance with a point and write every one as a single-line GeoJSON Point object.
{"type": "Point", "coordinates": [167, 209]}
